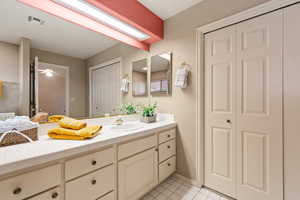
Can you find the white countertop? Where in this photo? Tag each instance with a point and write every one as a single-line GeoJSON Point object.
{"type": "Point", "coordinates": [17, 157]}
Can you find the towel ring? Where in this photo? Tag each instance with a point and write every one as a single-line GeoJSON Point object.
{"type": "Point", "coordinates": [186, 65]}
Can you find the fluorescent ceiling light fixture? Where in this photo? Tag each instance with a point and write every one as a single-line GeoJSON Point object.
{"type": "Point", "coordinates": [103, 17]}
{"type": "Point", "coordinates": [49, 74]}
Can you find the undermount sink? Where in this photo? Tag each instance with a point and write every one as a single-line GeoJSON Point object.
{"type": "Point", "coordinates": [127, 127]}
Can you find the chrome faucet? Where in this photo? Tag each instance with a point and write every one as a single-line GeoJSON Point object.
{"type": "Point", "coordinates": [119, 121]}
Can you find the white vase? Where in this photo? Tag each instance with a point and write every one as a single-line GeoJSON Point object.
{"type": "Point", "coordinates": [148, 119]}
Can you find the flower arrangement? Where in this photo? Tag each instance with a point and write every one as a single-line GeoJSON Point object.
{"type": "Point", "coordinates": [128, 108]}
{"type": "Point", "coordinates": [148, 113]}
{"type": "Point", "coordinates": [149, 110]}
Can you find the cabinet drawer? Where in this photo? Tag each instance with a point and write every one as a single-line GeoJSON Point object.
{"type": "Point", "coordinates": [110, 196]}
{"type": "Point", "coordinates": [31, 183]}
{"type": "Point", "coordinates": [167, 168]}
{"type": "Point", "coordinates": [53, 194]}
{"type": "Point", "coordinates": [166, 150]}
{"type": "Point", "coordinates": [166, 135]}
{"type": "Point", "coordinates": [91, 186]}
{"type": "Point", "coordinates": [136, 146]}
{"type": "Point", "coordinates": [82, 165]}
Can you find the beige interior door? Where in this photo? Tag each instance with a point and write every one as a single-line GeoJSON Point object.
{"type": "Point", "coordinates": [292, 102]}
{"type": "Point", "coordinates": [57, 79]}
{"type": "Point", "coordinates": [220, 140]}
{"type": "Point", "coordinates": [106, 93]}
{"type": "Point", "coordinates": [259, 108]}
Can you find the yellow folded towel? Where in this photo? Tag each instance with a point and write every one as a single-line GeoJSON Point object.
{"type": "Point", "coordinates": [55, 118]}
{"type": "Point", "coordinates": [68, 134]}
{"type": "Point", "coordinates": [71, 123]}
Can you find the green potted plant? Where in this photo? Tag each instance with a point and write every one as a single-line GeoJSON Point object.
{"type": "Point", "coordinates": [149, 113]}
{"type": "Point", "coordinates": [128, 108]}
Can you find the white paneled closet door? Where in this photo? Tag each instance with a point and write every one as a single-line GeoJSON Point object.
{"type": "Point", "coordinates": [220, 119]}
{"type": "Point", "coordinates": [292, 102]}
{"type": "Point", "coordinates": [259, 108]}
{"type": "Point", "coordinates": [106, 96]}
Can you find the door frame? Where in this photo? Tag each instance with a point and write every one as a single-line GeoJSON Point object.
{"type": "Point", "coordinates": [101, 65]}
{"type": "Point", "coordinates": [200, 64]}
{"type": "Point", "coordinates": [67, 100]}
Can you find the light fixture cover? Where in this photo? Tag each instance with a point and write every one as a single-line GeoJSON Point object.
{"type": "Point", "coordinates": [99, 15]}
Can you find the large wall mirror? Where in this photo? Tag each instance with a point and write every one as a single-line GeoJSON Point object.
{"type": "Point", "coordinates": [55, 65]}
{"type": "Point", "coordinates": [140, 78]}
{"type": "Point", "coordinates": [161, 74]}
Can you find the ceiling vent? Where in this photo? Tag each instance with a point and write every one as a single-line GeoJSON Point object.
{"type": "Point", "coordinates": [36, 20]}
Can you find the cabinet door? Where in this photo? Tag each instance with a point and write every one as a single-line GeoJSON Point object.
{"type": "Point", "coordinates": [220, 141]}
{"type": "Point", "coordinates": [292, 102]}
{"type": "Point", "coordinates": [259, 108]}
{"type": "Point", "coordinates": [138, 175]}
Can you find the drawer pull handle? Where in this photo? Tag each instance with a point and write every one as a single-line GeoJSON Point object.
{"type": "Point", "coordinates": [169, 136]}
{"type": "Point", "coordinates": [17, 191]}
{"type": "Point", "coordinates": [169, 146]}
{"type": "Point", "coordinates": [94, 182]}
{"type": "Point", "coordinates": [54, 195]}
{"type": "Point", "coordinates": [156, 149]}
{"type": "Point", "coordinates": [169, 164]}
{"type": "Point", "coordinates": [94, 162]}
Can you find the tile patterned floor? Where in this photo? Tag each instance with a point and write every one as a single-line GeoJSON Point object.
{"type": "Point", "coordinates": [177, 189]}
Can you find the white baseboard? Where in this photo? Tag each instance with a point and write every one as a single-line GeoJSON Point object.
{"type": "Point", "coordinates": [188, 180]}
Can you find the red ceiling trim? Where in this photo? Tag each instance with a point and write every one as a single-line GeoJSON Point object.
{"type": "Point", "coordinates": [86, 22]}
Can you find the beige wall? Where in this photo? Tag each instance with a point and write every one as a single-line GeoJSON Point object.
{"type": "Point", "coordinates": [78, 82]}
{"type": "Point", "coordinates": [179, 39]}
{"type": "Point", "coordinates": [8, 62]}
{"type": "Point", "coordinates": [161, 75]}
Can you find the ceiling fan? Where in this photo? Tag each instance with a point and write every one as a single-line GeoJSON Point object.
{"type": "Point", "coordinates": [47, 72]}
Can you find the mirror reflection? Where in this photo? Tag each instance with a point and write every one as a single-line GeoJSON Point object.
{"type": "Point", "coordinates": [51, 65]}
{"type": "Point", "coordinates": [140, 78]}
{"type": "Point", "coordinates": [161, 74]}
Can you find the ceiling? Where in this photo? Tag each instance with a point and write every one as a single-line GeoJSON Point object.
{"type": "Point", "coordinates": [56, 35]}
{"type": "Point", "coordinates": [168, 8]}
{"type": "Point", "coordinates": [138, 66]}
{"type": "Point", "coordinates": [159, 64]}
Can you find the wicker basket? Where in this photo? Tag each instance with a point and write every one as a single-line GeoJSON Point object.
{"type": "Point", "coordinates": [13, 138]}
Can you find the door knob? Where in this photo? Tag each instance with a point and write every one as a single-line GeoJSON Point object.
{"type": "Point", "coordinates": [17, 191]}
{"type": "Point", "coordinates": [94, 162]}
{"type": "Point", "coordinates": [94, 182]}
{"type": "Point", "coordinates": [54, 195]}
{"type": "Point", "coordinates": [228, 121]}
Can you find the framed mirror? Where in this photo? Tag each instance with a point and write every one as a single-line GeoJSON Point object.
{"type": "Point", "coordinates": [140, 78]}
{"type": "Point", "coordinates": [161, 74]}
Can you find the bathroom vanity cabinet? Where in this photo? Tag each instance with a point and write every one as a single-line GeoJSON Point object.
{"type": "Point", "coordinates": [120, 171]}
